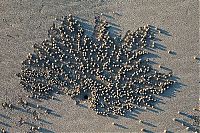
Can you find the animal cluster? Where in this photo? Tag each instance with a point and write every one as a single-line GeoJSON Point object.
{"type": "Point", "coordinates": [111, 74]}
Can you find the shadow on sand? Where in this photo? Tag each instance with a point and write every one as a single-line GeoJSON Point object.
{"type": "Point", "coordinates": [114, 31]}
{"type": "Point", "coordinates": [171, 92]}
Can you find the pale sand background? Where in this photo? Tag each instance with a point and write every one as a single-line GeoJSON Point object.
{"type": "Point", "coordinates": [25, 22]}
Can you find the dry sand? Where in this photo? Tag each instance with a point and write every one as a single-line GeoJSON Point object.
{"type": "Point", "coordinates": [25, 22]}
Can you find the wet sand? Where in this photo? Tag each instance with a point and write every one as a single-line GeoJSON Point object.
{"type": "Point", "coordinates": [26, 22]}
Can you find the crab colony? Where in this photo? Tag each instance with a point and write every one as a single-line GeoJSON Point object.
{"type": "Point", "coordinates": [111, 74]}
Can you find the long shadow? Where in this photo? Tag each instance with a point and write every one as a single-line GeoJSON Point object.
{"type": "Point", "coordinates": [131, 115]}
{"type": "Point", "coordinates": [167, 69]}
{"type": "Point", "coordinates": [49, 111]}
{"type": "Point", "coordinates": [193, 117]}
{"type": "Point", "coordinates": [160, 46]}
{"type": "Point", "coordinates": [86, 26]}
{"type": "Point", "coordinates": [121, 126]}
{"type": "Point", "coordinates": [152, 110]}
{"type": "Point", "coordinates": [162, 31]}
{"type": "Point", "coordinates": [113, 24]}
{"type": "Point", "coordinates": [147, 131]}
{"type": "Point", "coordinates": [138, 110]}
{"type": "Point", "coordinates": [44, 130]}
{"type": "Point", "coordinates": [45, 108]}
{"type": "Point", "coordinates": [186, 124]}
{"type": "Point", "coordinates": [44, 121]}
{"type": "Point", "coordinates": [108, 16]}
{"type": "Point", "coordinates": [152, 55]}
{"type": "Point", "coordinates": [150, 49]}
{"type": "Point", "coordinates": [113, 116]}
{"type": "Point", "coordinates": [114, 30]}
{"type": "Point", "coordinates": [171, 92]}
{"type": "Point", "coordinates": [157, 108]}
{"type": "Point", "coordinates": [21, 109]}
{"type": "Point", "coordinates": [41, 108]}
{"type": "Point", "coordinates": [55, 114]}
{"type": "Point", "coordinates": [177, 85]}
{"type": "Point", "coordinates": [149, 124]}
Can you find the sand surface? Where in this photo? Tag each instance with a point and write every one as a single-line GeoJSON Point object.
{"type": "Point", "coordinates": [25, 22]}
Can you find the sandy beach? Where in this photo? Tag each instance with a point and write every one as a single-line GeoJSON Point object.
{"type": "Point", "coordinates": [26, 22]}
